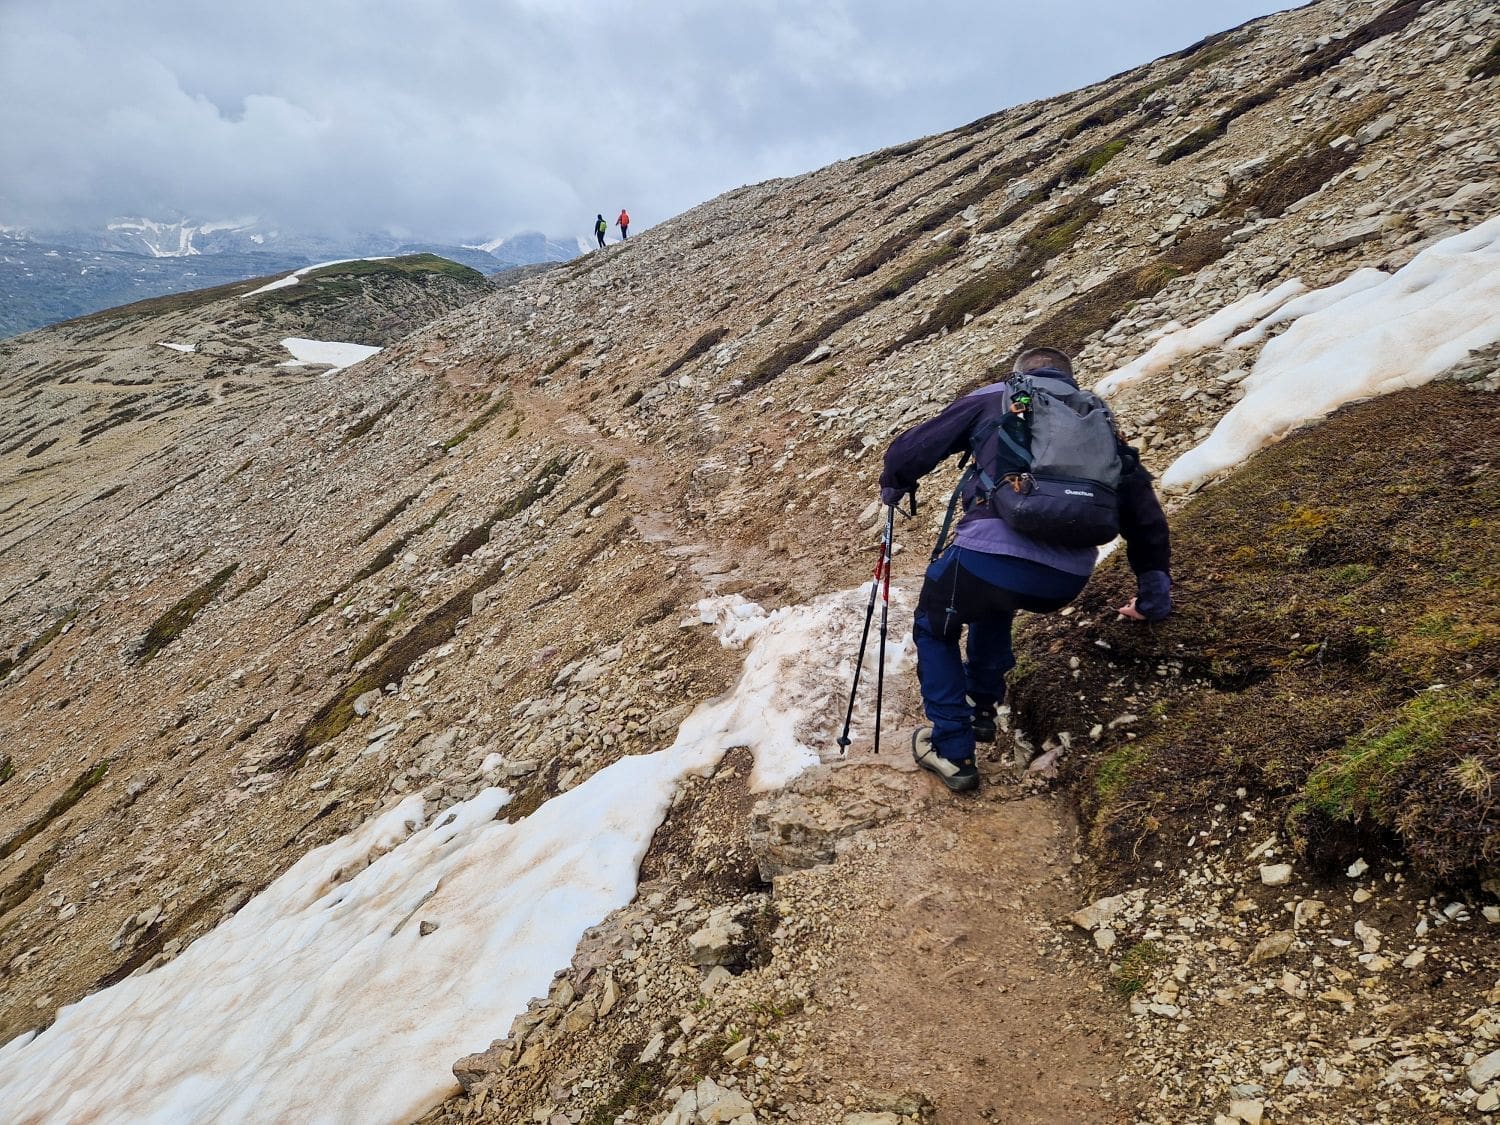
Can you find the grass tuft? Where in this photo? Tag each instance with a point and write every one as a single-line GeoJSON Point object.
{"type": "Point", "coordinates": [1045, 241]}
{"type": "Point", "coordinates": [1136, 966]}
{"type": "Point", "coordinates": [172, 624]}
{"type": "Point", "coordinates": [496, 404]}
{"type": "Point", "coordinates": [1335, 652]}
{"type": "Point", "coordinates": [1489, 65]}
{"type": "Point", "coordinates": [70, 797]}
{"type": "Point", "coordinates": [699, 348]}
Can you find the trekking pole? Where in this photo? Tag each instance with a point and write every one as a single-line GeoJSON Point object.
{"type": "Point", "coordinates": [859, 661]}
{"type": "Point", "coordinates": [885, 608]}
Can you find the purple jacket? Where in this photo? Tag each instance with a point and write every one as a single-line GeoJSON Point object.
{"type": "Point", "coordinates": [919, 450]}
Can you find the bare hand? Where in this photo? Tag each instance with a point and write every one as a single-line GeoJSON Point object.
{"type": "Point", "coordinates": [1129, 610]}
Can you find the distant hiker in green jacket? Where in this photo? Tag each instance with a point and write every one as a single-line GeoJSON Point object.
{"type": "Point", "coordinates": [600, 227]}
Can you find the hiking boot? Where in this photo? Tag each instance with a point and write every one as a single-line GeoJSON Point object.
{"type": "Point", "coordinates": [984, 723]}
{"type": "Point", "coordinates": [958, 775]}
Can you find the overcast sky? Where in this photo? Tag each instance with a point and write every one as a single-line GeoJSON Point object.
{"type": "Point", "coordinates": [452, 119]}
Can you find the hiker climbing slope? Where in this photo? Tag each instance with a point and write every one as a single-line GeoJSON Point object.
{"type": "Point", "coordinates": [1050, 481]}
{"type": "Point", "coordinates": [623, 222]}
{"type": "Point", "coordinates": [600, 229]}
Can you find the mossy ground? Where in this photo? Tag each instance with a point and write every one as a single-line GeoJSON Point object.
{"type": "Point", "coordinates": [333, 285]}
{"type": "Point", "coordinates": [334, 716]}
{"type": "Point", "coordinates": [1335, 649]}
{"type": "Point", "coordinates": [1489, 65]}
{"type": "Point", "coordinates": [171, 625]}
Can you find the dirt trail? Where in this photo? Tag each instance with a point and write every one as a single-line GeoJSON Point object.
{"type": "Point", "coordinates": [945, 977]}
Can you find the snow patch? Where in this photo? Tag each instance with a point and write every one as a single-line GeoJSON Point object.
{"type": "Point", "coordinates": [1205, 334]}
{"type": "Point", "coordinates": [177, 347]}
{"type": "Point", "coordinates": [1376, 336]}
{"type": "Point", "coordinates": [291, 278]}
{"type": "Point", "coordinates": [337, 355]}
{"type": "Point", "coordinates": [322, 1000]}
{"type": "Point", "coordinates": [1315, 301]}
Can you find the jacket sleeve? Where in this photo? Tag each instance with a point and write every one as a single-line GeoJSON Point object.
{"type": "Point", "coordinates": [1148, 543]}
{"type": "Point", "coordinates": [919, 450]}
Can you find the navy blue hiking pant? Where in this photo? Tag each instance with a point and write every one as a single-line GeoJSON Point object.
{"type": "Point", "coordinates": [982, 591]}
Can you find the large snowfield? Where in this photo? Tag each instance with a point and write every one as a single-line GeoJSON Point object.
{"type": "Point", "coordinates": [321, 1000]}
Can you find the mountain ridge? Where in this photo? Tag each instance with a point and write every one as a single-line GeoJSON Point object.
{"type": "Point", "coordinates": [54, 275]}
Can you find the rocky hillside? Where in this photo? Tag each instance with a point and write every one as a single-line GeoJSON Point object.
{"type": "Point", "coordinates": [251, 607]}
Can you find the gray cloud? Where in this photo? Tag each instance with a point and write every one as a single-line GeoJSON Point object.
{"type": "Point", "coordinates": [457, 118]}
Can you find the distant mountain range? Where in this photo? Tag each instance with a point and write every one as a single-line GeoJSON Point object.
{"type": "Point", "coordinates": [51, 275]}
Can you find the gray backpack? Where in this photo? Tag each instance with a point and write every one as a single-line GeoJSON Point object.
{"type": "Point", "coordinates": [1050, 465]}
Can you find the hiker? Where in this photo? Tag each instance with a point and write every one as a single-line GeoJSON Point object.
{"type": "Point", "coordinates": [623, 222]}
{"type": "Point", "coordinates": [600, 227]}
{"type": "Point", "coordinates": [992, 569]}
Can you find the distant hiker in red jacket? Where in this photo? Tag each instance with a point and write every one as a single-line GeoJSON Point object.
{"type": "Point", "coordinates": [623, 222]}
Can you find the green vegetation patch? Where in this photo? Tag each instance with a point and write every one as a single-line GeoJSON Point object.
{"type": "Point", "coordinates": [437, 627]}
{"type": "Point", "coordinates": [381, 631]}
{"type": "Point", "coordinates": [795, 351]}
{"type": "Point", "coordinates": [1096, 309]}
{"type": "Point", "coordinates": [335, 716]}
{"type": "Point", "coordinates": [1334, 650]}
{"type": "Point", "coordinates": [171, 303]}
{"type": "Point", "coordinates": [1045, 241]}
{"type": "Point", "coordinates": [60, 621]}
{"type": "Point", "coordinates": [1393, 19]}
{"type": "Point", "coordinates": [839, 218]}
{"type": "Point", "coordinates": [1289, 181]}
{"type": "Point", "coordinates": [994, 180]}
{"type": "Point", "coordinates": [1092, 161]}
{"type": "Point", "coordinates": [699, 348]}
{"type": "Point", "coordinates": [572, 353]}
{"type": "Point", "coordinates": [498, 402]}
{"type": "Point", "coordinates": [1136, 966]}
{"type": "Point", "coordinates": [394, 550]}
{"type": "Point", "coordinates": [1362, 776]}
{"type": "Point", "coordinates": [385, 520]}
{"type": "Point", "coordinates": [171, 625]}
{"type": "Point", "coordinates": [338, 283]}
{"type": "Point", "coordinates": [946, 158]}
{"type": "Point", "coordinates": [367, 423]}
{"type": "Point", "coordinates": [876, 159]}
{"type": "Point", "coordinates": [546, 479]}
{"type": "Point", "coordinates": [637, 1085]}
{"type": "Point", "coordinates": [1212, 51]}
{"type": "Point", "coordinates": [1489, 65]}
{"type": "Point", "coordinates": [27, 883]}
{"type": "Point", "coordinates": [70, 797]}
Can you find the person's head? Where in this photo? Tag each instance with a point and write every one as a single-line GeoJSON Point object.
{"type": "Point", "coordinates": [1037, 359]}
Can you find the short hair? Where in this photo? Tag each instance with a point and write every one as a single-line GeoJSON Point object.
{"type": "Point", "coordinates": [1033, 359]}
